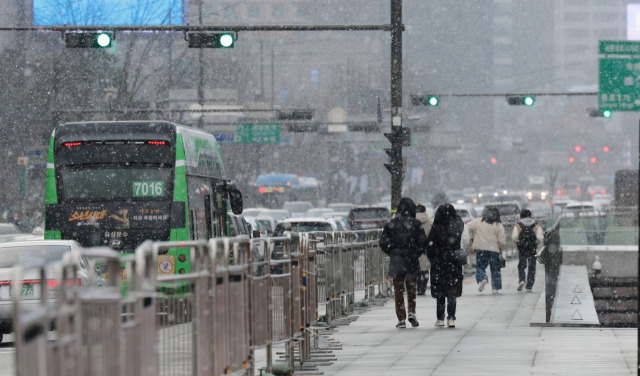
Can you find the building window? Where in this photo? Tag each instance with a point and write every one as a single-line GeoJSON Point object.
{"type": "Point", "coordinates": [278, 10]}
{"type": "Point", "coordinates": [254, 11]}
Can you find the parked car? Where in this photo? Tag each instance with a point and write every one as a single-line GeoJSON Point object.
{"type": "Point", "coordinates": [29, 254]}
{"type": "Point", "coordinates": [252, 212]}
{"type": "Point", "coordinates": [319, 212]}
{"type": "Point", "coordinates": [238, 226]}
{"type": "Point", "coordinates": [509, 211]}
{"type": "Point", "coordinates": [465, 214]}
{"type": "Point", "coordinates": [9, 228]}
{"type": "Point", "coordinates": [264, 225]}
{"type": "Point", "coordinates": [366, 218]}
{"type": "Point", "coordinates": [277, 214]}
{"type": "Point", "coordinates": [297, 208]}
{"type": "Point", "coordinates": [340, 207]}
{"type": "Point", "coordinates": [306, 224]}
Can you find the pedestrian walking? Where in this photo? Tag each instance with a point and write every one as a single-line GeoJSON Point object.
{"type": "Point", "coordinates": [528, 235]}
{"type": "Point", "coordinates": [425, 265]}
{"type": "Point", "coordinates": [488, 239]}
{"type": "Point", "coordinates": [445, 238]}
{"type": "Point", "coordinates": [403, 239]}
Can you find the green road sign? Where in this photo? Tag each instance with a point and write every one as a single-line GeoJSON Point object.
{"type": "Point", "coordinates": [619, 84]}
{"type": "Point", "coordinates": [258, 134]}
{"type": "Point", "coordinates": [619, 47]}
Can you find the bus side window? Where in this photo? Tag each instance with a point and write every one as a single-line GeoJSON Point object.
{"type": "Point", "coordinates": [208, 219]}
{"type": "Point", "coordinates": [192, 225]}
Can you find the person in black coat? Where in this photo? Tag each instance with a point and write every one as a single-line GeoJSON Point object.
{"type": "Point", "coordinates": [446, 273]}
{"type": "Point", "coordinates": [404, 239]}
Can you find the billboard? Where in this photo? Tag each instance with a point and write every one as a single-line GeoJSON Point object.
{"type": "Point", "coordinates": [109, 12]}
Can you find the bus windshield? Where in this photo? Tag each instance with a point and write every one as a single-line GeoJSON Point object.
{"type": "Point", "coordinates": [115, 183]}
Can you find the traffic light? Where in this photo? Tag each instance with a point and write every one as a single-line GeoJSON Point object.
{"type": "Point", "coordinates": [399, 137]}
{"type": "Point", "coordinates": [518, 100]}
{"type": "Point", "coordinates": [211, 40]}
{"type": "Point", "coordinates": [600, 113]}
{"type": "Point", "coordinates": [425, 100]}
{"type": "Point", "coordinates": [88, 40]}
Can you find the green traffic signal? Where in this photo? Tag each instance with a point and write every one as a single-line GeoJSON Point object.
{"type": "Point", "coordinates": [517, 100]}
{"type": "Point", "coordinates": [103, 40]}
{"type": "Point", "coordinates": [211, 40]}
{"type": "Point", "coordinates": [226, 40]}
{"type": "Point", "coordinates": [606, 113]}
{"type": "Point", "coordinates": [424, 100]}
{"type": "Point", "coordinates": [88, 40]}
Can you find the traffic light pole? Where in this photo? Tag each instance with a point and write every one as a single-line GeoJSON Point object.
{"type": "Point", "coordinates": [395, 153]}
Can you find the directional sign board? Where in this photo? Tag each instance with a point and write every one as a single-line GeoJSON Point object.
{"type": "Point", "coordinates": [258, 134]}
{"type": "Point", "coordinates": [619, 47]}
{"type": "Point", "coordinates": [620, 76]}
{"type": "Point", "coordinates": [619, 84]}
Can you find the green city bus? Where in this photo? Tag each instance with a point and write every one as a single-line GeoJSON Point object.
{"type": "Point", "coordinates": [119, 183]}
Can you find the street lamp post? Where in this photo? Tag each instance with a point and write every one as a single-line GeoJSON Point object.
{"type": "Point", "coordinates": [396, 98]}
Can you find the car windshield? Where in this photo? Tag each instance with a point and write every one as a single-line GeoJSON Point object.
{"type": "Point", "coordinates": [115, 183]}
{"type": "Point", "coordinates": [30, 255]}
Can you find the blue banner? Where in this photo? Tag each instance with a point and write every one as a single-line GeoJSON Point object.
{"type": "Point", "coordinates": [108, 12]}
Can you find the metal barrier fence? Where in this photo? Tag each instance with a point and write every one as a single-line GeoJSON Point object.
{"type": "Point", "coordinates": [239, 295]}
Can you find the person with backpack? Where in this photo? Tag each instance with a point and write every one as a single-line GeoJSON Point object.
{"type": "Point", "coordinates": [528, 235]}
{"type": "Point", "coordinates": [403, 240]}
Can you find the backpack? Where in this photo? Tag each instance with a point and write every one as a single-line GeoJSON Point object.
{"type": "Point", "coordinates": [527, 241]}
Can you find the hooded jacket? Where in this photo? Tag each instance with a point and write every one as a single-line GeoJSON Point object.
{"type": "Point", "coordinates": [487, 236]}
{"type": "Point", "coordinates": [445, 237]}
{"type": "Point", "coordinates": [403, 239]}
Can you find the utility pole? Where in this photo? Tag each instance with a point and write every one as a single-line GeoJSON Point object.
{"type": "Point", "coordinates": [397, 135]}
{"type": "Point", "coordinates": [201, 72]}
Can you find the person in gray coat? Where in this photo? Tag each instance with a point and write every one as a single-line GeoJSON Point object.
{"type": "Point", "coordinates": [403, 240]}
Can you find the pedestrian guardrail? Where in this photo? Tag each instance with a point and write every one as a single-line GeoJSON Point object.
{"type": "Point", "coordinates": [237, 295]}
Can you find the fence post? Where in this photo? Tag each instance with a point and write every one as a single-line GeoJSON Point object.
{"type": "Point", "coordinates": [552, 260]}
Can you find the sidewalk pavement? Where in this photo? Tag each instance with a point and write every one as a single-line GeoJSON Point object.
{"type": "Point", "coordinates": [492, 336]}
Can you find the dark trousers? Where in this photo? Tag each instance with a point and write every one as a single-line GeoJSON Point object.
{"type": "Point", "coordinates": [531, 269]}
{"type": "Point", "coordinates": [398, 288]}
{"type": "Point", "coordinates": [451, 307]}
{"type": "Point", "coordinates": [423, 279]}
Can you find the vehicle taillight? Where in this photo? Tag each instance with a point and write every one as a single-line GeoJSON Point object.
{"type": "Point", "coordinates": [69, 144]}
{"type": "Point", "coordinates": [157, 142]}
{"type": "Point", "coordinates": [54, 283]}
